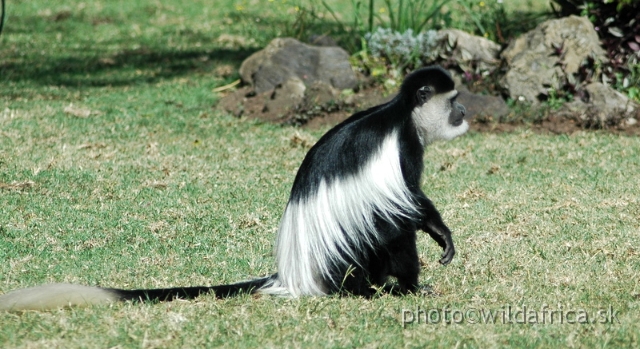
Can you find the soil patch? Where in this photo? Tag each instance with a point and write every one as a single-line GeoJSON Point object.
{"type": "Point", "coordinates": [552, 124]}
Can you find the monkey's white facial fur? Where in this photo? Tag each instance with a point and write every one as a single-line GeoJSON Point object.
{"type": "Point", "coordinates": [440, 117]}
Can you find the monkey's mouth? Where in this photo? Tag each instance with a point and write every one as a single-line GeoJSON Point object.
{"type": "Point", "coordinates": [459, 121]}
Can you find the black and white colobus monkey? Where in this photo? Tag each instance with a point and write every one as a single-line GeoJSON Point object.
{"type": "Point", "coordinates": [354, 209]}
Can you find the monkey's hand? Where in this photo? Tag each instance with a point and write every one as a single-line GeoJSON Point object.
{"type": "Point", "coordinates": [444, 240]}
{"type": "Point", "coordinates": [433, 225]}
{"type": "Point", "coordinates": [448, 253]}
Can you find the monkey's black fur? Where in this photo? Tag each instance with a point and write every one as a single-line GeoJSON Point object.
{"type": "Point", "coordinates": [169, 294]}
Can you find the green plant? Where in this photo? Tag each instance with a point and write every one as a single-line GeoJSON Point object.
{"type": "Point", "coordinates": [629, 83]}
{"type": "Point", "coordinates": [357, 23]}
{"type": "Point", "coordinates": [373, 66]}
{"type": "Point", "coordinates": [404, 51]}
{"type": "Point", "coordinates": [489, 18]}
{"type": "Point", "coordinates": [398, 15]}
{"type": "Point", "coordinates": [557, 98]}
{"type": "Point", "coordinates": [411, 14]}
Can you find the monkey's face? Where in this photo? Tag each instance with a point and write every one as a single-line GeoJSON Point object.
{"type": "Point", "coordinates": [438, 116]}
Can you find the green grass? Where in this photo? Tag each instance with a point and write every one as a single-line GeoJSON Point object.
{"type": "Point", "coordinates": [155, 188]}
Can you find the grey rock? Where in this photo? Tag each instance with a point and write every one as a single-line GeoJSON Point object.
{"type": "Point", "coordinates": [548, 56]}
{"type": "Point", "coordinates": [604, 107]}
{"type": "Point", "coordinates": [483, 106]}
{"type": "Point", "coordinates": [285, 96]}
{"type": "Point", "coordinates": [466, 49]}
{"type": "Point", "coordinates": [281, 103]}
{"type": "Point", "coordinates": [478, 105]}
{"type": "Point", "coordinates": [284, 58]}
{"type": "Point", "coordinates": [609, 105]}
{"type": "Point", "coordinates": [322, 40]}
{"type": "Point", "coordinates": [609, 100]}
{"type": "Point", "coordinates": [320, 93]}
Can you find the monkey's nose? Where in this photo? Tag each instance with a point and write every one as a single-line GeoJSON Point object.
{"type": "Point", "coordinates": [462, 110]}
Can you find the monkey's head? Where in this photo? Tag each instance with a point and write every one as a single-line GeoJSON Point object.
{"type": "Point", "coordinates": [431, 94]}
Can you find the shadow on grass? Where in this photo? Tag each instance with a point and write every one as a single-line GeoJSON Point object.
{"type": "Point", "coordinates": [91, 65]}
{"type": "Point", "coordinates": [125, 68]}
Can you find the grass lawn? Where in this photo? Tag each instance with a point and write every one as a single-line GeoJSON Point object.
{"type": "Point", "coordinates": [116, 170]}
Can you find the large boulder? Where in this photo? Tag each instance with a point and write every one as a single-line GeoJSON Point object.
{"type": "Point", "coordinates": [604, 107]}
{"type": "Point", "coordinates": [288, 77]}
{"type": "Point", "coordinates": [549, 56]}
{"type": "Point", "coordinates": [285, 58]}
{"type": "Point", "coordinates": [467, 50]}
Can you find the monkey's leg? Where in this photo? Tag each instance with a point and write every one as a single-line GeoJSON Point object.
{"type": "Point", "coordinates": [404, 263]}
{"type": "Point", "coordinates": [353, 281]}
{"type": "Point", "coordinates": [433, 225]}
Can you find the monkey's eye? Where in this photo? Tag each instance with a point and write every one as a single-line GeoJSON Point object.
{"type": "Point", "coordinates": [424, 93]}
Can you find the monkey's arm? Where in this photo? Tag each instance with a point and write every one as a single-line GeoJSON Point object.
{"type": "Point", "coordinates": [433, 225]}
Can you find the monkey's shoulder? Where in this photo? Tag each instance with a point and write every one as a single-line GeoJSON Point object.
{"type": "Point", "coordinates": [346, 149]}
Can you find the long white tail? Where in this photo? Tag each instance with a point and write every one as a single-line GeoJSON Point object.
{"type": "Point", "coordinates": [55, 296]}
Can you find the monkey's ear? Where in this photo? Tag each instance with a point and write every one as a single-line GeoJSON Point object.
{"type": "Point", "coordinates": [423, 94]}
